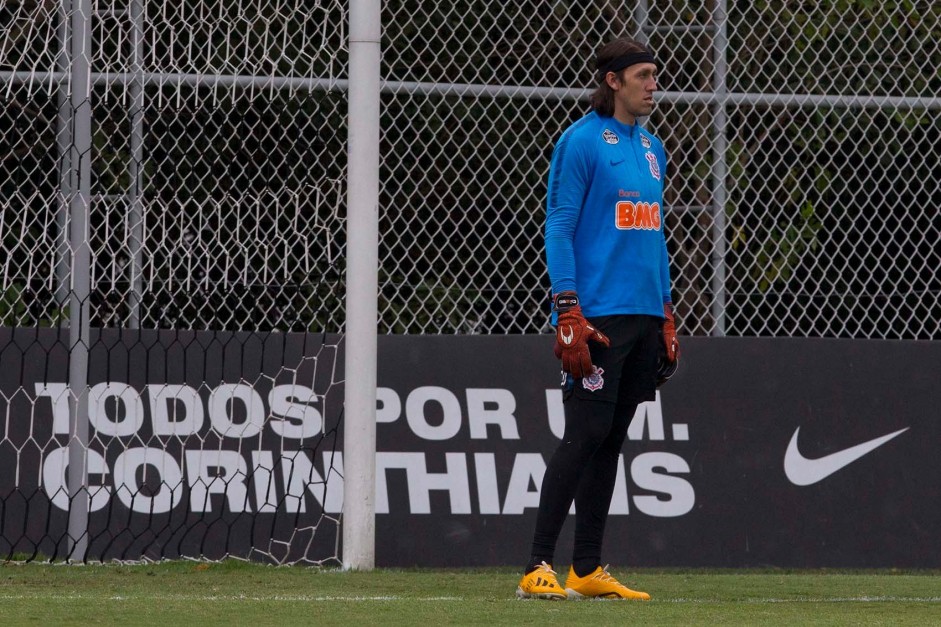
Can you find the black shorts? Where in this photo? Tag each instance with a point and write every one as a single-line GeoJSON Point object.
{"type": "Point", "coordinates": [627, 370]}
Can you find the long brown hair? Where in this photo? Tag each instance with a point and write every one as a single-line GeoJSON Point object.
{"type": "Point", "coordinates": [602, 100]}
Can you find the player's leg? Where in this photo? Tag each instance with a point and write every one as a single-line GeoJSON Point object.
{"type": "Point", "coordinates": [586, 426]}
{"type": "Point", "coordinates": [593, 499]}
{"type": "Point", "coordinates": [598, 410]}
{"type": "Point", "coordinates": [587, 578]}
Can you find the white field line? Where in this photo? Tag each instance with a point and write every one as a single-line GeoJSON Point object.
{"type": "Point", "coordinates": [386, 598]}
{"type": "Point", "coordinates": [280, 598]}
{"type": "Point", "coordinates": [861, 599]}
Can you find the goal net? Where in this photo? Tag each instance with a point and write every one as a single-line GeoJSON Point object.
{"type": "Point", "coordinates": [200, 445]}
{"type": "Point", "coordinates": [172, 263]}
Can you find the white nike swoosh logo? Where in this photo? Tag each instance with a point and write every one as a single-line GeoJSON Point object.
{"type": "Point", "coordinates": [804, 471]}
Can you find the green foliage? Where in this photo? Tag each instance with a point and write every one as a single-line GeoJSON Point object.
{"type": "Point", "coordinates": [792, 171]}
{"type": "Point", "coordinates": [15, 311]}
{"type": "Point", "coordinates": [463, 177]}
{"type": "Point", "coordinates": [786, 245]}
{"type": "Point", "coordinates": [12, 307]}
{"type": "Point", "coordinates": [407, 308]}
{"type": "Point", "coordinates": [836, 46]}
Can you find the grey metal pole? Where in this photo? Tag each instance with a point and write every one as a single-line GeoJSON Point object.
{"type": "Point", "coordinates": [362, 286]}
{"type": "Point", "coordinates": [135, 217]}
{"type": "Point", "coordinates": [720, 167]}
{"type": "Point", "coordinates": [205, 81]}
{"type": "Point", "coordinates": [640, 18]}
{"type": "Point", "coordinates": [64, 146]}
{"type": "Point", "coordinates": [79, 205]}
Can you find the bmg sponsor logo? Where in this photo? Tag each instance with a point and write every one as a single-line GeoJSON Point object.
{"type": "Point", "coordinates": [637, 215]}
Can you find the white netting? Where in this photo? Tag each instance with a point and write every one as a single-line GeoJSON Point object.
{"type": "Point", "coordinates": [214, 202]}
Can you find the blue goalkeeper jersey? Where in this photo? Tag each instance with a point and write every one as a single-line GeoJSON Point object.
{"type": "Point", "coordinates": [604, 218]}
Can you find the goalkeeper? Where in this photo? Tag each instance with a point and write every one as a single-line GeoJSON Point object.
{"type": "Point", "coordinates": [607, 260]}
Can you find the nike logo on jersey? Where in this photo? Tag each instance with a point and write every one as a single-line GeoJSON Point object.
{"type": "Point", "coordinates": [804, 471]}
{"type": "Point", "coordinates": [617, 161]}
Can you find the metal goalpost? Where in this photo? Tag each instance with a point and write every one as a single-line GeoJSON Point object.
{"type": "Point", "coordinates": [359, 431]}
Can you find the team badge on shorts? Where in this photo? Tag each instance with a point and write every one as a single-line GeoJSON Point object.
{"type": "Point", "coordinates": [609, 136]}
{"type": "Point", "coordinates": [594, 381]}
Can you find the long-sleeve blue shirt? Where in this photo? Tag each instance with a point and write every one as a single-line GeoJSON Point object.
{"type": "Point", "coordinates": [604, 218]}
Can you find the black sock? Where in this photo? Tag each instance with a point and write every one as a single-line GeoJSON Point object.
{"type": "Point", "coordinates": [536, 561]}
{"type": "Point", "coordinates": [584, 567]}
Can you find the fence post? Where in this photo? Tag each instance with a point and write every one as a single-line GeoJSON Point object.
{"type": "Point", "coordinates": [135, 219]}
{"type": "Point", "coordinates": [719, 167]}
{"type": "Point", "coordinates": [64, 147]}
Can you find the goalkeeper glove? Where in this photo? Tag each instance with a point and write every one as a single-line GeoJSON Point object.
{"type": "Point", "coordinates": [572, 335]}
{"type": "Point", "coordinates": [670, 343]}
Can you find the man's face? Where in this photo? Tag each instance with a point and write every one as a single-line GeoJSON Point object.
{"type": "Point", "coordinates": [634, 90]}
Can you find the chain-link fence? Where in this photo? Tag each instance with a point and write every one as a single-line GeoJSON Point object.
{"type": "Point", "coordinates": [801, 189]}
{"type": "Point", "coordinates": [216, 156]}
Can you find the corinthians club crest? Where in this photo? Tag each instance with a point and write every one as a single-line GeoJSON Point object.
{"type": "Point", "coordinates": [594, 381]}
{"type": "Point", "coordinates": [654, 166]}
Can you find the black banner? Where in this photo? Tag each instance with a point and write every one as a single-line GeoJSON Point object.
{"type": "Point", "coordinates": [201, 444]}
{"type": "Point", "coordinates": [760, 452]}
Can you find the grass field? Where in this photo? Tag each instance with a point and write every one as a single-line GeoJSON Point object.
{"type": "Point", "coordinates": [179, 594]}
